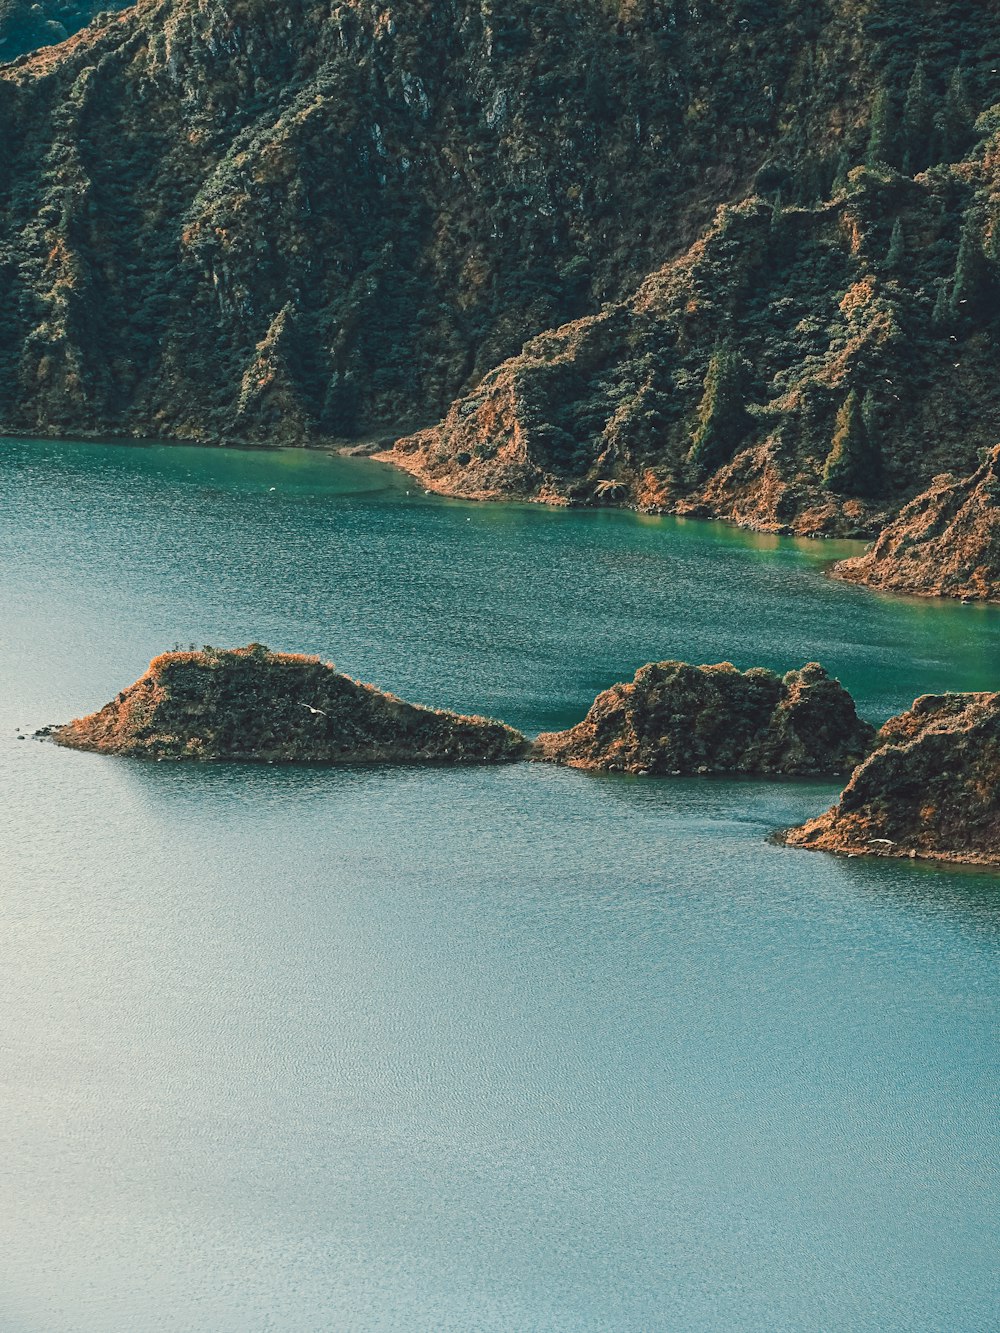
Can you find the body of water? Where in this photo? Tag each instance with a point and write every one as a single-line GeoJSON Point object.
{"type": "Point", "coordinates": [299, 1049]}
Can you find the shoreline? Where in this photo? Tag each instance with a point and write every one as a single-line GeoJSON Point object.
{"type": "Point", "coordinates": [374, 447]}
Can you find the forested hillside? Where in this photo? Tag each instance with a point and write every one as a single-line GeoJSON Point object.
{"type": "Point", "coordinates": [738, 258]}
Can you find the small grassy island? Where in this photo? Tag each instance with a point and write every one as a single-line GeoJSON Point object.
{"type": "Point", "coordinates": [677, 718]}
{"type": "Point", "coordinates": [929, 789]}
{"type": "Point", "coordinates": [252, 704]}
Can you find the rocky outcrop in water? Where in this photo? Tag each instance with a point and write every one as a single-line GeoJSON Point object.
{"type": "Point", "coordinates": [945, 543]}
{"type": "Point", "coordinates": [931, 788]}
{"type": "Point", "coordinates": [677, 718]}
{"type": "Point", "coordinates": [255, 705]}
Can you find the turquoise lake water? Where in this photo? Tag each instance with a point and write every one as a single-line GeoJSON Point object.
{"type": "Point", "coordinates": [305, 1049]}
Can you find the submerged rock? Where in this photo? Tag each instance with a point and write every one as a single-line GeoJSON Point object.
{"type": "Point", "coordinates": [677, 718]}
{"type": "Point", "coordinates": [931, 788]}
{"type": "Point", "coordinates": [252, 704]}
{"type": "Point", "coordinates": [945, 543]}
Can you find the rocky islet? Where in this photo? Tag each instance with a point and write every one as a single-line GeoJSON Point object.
{"type": "Point", "coordinates": [929, 788]}
{"type": "Point", "coordinates": [676, 718]}
{"type": "Point", "coordinates": [925, 785]}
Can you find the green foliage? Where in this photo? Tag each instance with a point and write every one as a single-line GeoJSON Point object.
{"type": "Point", "coordinates": [972, 284]}
{"type": "Point", "coordinates": [918, 122]}
{"type": "Point", "coordinates": [897, 248]}
{"type": "Point", "coordinates": [883, 135]}
{"type": "Point", "coordinates": [853, 465]}
{"type": "Point", "coordinates": [953, 125]}
{"type": "Point", "coordinates": [843, 166]}
{"type": "Point", "coordinates": [340, 406]}
{"type": "Point", "coordinates": [722, 419]}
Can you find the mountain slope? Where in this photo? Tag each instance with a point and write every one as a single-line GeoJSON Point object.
{"type": "Point", "coordinates": [295, 222]}
{"type": "Point", "coordinates": [945, 543]}
{"type": "Point", "coordinates": [803, 321]}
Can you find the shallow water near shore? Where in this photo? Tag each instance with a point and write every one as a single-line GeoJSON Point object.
{"type": "Point", "coordinates": [301, 1049]}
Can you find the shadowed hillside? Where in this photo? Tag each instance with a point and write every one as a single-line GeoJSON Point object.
{"type": "Point", "coordinates": [735, 259]}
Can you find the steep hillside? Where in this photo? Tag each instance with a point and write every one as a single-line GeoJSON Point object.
{"type": "Point", "coordinates": [945, 543]}
{"type": "Point", "coordinates": [762, 238]}
{"type": "Point", "coordinates": [803, 366]}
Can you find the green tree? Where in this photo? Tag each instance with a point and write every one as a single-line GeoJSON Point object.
{"type": "Point", "coordinates": [722, 421]}
{"type": "Point", "coordinates": [897, 247]}
{"type": "Point", "coordinates": [918, 123]}
{"type": "Point", "coordinates": [809, 182]}
{"type": "Point", "coordinates": [971, 285]}
{"type": "Point", "coordinates": [883, 137]}
{"type": "Point", "coordinates": [843, 166]}
{"type": "Point", "coordinates": [953, 126]}
{"type": "Point", "coordinates": [340, 406]}
{"type": "Point", "coordinates": [853, 465]}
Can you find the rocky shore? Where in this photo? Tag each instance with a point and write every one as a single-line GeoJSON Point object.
{"type": "Point", "coordinates": [944, 543]}
{"type": "Point", "coordinates": [677, 718]}
{"type": "Point", "coordinates": [254, 705]}
{"type": "Point", "coordinates": [929, 789]}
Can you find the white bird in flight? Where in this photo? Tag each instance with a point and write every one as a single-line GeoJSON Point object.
{"type": "Point", "coordinates": [316, 710]}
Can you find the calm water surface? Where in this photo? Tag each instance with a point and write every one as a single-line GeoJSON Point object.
{"type": "Point", "coordinates": [513, 1049]}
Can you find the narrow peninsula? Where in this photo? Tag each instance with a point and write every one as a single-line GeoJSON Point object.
{"type": "Point", "coordinates": [944, 543]}
{"type": "Point", "coordinates": [252, 704]}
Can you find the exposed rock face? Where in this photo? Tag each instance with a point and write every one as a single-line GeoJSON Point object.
{"type": "Point", "coordinates": [677, 718]}
{"type": "Point", "coordinates": [286, 221]}
{"type": "Point", "coordinates": [931, 788]}
{"type": "Point", "coordinates": [252, 704]}
{"type": "Point", "coordinates": [945, 543]}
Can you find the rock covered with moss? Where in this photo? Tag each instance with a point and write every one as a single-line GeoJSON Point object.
{"type": "Point", "coordinates": [252, 704]}
{"type": "Point", "coordinates": [945, 543]}
{"type": "Point", "coordinates": [930, 788]}
{"type": "Point", "coordinates": [678, 718]}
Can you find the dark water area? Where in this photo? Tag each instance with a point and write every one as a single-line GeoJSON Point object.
{"type": "Point", "coordinates": [302, 1049]}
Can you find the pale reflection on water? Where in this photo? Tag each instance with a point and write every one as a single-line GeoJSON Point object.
{"type": "Point", "coordinates": [304, 1049]}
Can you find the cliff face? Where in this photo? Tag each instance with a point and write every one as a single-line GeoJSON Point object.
{"type": "Point", "coordinates": [291, 222]}
{"type": "Point", "coordinates": [676, 718]}
{"type": "Point", "coordinates": [929, 789]}
{"type": "Point", "coordinates": [945, 543]}
{"type": "Point", "coordinates": [252, 704]}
